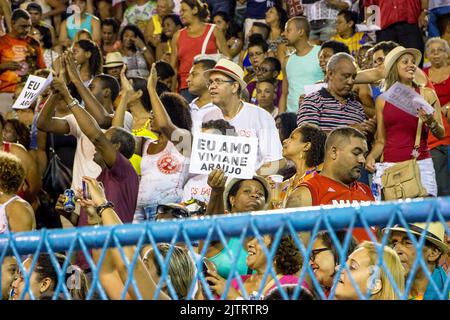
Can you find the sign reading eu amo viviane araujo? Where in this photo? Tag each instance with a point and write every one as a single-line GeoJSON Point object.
{"type": "Point", "coordinates": [236, 156]}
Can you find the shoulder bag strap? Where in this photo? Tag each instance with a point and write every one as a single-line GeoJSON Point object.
{"type": "Point", "coordinates": [418, 131]}
{"type": "Point", "coordinates": [208, 36]}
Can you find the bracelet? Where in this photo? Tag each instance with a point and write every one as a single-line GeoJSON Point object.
{"type": "Point", "coordinates": [73, 103]}
{"type": "Point", "coordinates": [102, 207]}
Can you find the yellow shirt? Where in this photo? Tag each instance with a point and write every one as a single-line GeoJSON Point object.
{"type": "Point", "coordinates": [141, 132]}
{"type": "Point", "coordinates": [354, 42]}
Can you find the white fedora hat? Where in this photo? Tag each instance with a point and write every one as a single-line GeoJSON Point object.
{"type": "Point", "coordinates": [113, 59]}
{"type": "Point", "coordinates": [434, 234]}
{"type": "Point", "coordinates": [230, 69]}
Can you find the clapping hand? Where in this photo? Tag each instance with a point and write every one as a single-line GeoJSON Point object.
{"type": "Point", "coordinates": [71, 67]}
{"type": "Point", "coordinates": [153, 79]}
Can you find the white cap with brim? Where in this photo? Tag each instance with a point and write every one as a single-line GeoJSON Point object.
{"type": "Point", "coordinates": [230, 69]}
{"type": "Point", "coordinates": [434, 234]}
{"type": "Point", "coordinates": [233, 181]}
{"type": "Point", "coordinates": [113, 59]}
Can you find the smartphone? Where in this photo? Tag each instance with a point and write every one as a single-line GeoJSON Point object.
{"type": "Point", "coordinates": [86, 194]}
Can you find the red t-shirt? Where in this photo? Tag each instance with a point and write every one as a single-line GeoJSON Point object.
{"type": "Point", "coordinates": [393, 11]}
{"type": "Point", "coordinates": [27, 52]}
{"type": "Point", "coordinates": [443, 92]}
{"type": "Point", "coordinates": [328, 191]}
{"type": "Point", "coordinates": [188, 47]}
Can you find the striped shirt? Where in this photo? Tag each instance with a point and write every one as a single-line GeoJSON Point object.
{"type": "Point", "coordinates": [322, 109]}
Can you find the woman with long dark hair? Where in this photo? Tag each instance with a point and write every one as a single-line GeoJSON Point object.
{"type": "Point", "coordinates": [136, 55]}
{"type": "Point", "coordinates": [89, 60]}
{"type": "Point", "coordinates": [276, 18]}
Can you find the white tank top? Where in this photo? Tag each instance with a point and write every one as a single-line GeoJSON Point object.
{"type": "Point", "coordinates": [4, 228]}
{"type": "Point", "coordinates": [163, 176]}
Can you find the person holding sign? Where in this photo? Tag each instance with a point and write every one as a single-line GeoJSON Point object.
{"type": "Point", "coordinates": [225, 83]}
{"type": "Point", "coordinates": [236, 195]}
{"type": "Point", "coordinates": [20, 55]}
{"type": "Point", "coordinates": [397, 129]}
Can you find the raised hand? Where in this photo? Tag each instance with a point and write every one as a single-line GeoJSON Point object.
{"type": "Point", "coordinates": [153, 78]}
{"type": "Point", "coordinates": [96, 191]}
{"type": "Point", "coordinates": [217, 179]}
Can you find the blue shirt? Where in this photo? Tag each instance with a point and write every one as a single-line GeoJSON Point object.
{"type": "Point", "coordinates": [439, 277]}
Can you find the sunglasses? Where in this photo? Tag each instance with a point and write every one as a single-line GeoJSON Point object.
{"type": "Point", "coordinates": [173, 211]}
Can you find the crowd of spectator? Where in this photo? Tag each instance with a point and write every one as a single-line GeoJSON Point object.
{"type": "Point", "coordinates": [133, 82]}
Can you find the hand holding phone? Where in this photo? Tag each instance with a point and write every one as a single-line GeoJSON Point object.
{"type": "Point", "coordinates": [86, 194]}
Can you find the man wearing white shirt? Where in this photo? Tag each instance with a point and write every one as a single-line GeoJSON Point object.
{"type": "Point", "coordinates": [196, 81]}
{"type": "Point", "coordinates": [225, 85]}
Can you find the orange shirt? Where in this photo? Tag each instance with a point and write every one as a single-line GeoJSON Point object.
{"type": "Point", "coordinates": [25, 51]}
{"type": "Point", "coordinates": [327, 191]}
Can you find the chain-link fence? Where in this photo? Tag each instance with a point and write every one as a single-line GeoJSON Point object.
{"type": "Point", "coordinates": [254, 236]}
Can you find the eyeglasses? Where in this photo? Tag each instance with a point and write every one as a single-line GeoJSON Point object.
{"type": "Point", "coordinates": [218, 82]}
{"type": "Point", "coordinates": [263, 70]}
{"type": "Point", "coordinates": [256, 54]}
{"type": "Point", "coordinates": [314, 253]}
{"type": "Point", "coordinates": [439, 50]}
{"type": "Point", "coordinates": [173, 211]}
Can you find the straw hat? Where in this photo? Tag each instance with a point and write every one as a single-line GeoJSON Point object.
{"type": "Point", "coordinates": [232, 182]}
{"type": "Point", "coordinates": [435, 233]}
{"type": "Point", "coordinates": [230, 69]}
{"type": "Point", "coordinates": [397, 52]}
{"type": "Point", "coordinates": [113, 59]}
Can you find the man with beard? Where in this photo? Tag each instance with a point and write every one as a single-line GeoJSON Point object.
{"type": "Point", "coordinates": [345, 156]}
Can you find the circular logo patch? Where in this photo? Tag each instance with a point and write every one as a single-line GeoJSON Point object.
{"type": "Point", "coordinates": [168, 164]}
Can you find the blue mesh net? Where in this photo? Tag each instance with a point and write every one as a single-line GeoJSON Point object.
{"type": "Point", "coordinates": [131, 244]}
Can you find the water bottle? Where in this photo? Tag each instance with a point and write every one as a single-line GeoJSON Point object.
{"type": "Point", "coordinates": [69, 201]}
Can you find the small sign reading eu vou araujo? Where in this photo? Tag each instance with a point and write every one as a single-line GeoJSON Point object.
{"type": "Point", "coordinates": [236, 156]}
{"type": "Point", "coordinates": [31, 91]}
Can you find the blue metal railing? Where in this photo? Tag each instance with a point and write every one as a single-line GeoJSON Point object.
{"type": "Point", "coordinates": [219, 228]}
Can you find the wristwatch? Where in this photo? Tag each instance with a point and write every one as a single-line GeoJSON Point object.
{"type": "Point", "coordinates": [73, 103]}
{"type": "Point", "coordinates": [432, 126]}
{"type": "Point", "coordinates": [102, 207]}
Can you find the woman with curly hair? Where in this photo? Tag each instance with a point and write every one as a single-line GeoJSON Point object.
{"type": "Point", "coordinates": [286, 263]}
{"type": "Point", "coordinates": [15, 213]}
{"type": "Point", "coordinates": [304, 147]}
{"type": "Point", "coordinates": [16, 132]}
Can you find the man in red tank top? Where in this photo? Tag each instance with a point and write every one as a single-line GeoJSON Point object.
{"type": "Point", "coordinates": [345, 152]}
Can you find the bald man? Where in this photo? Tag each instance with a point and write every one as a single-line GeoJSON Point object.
{"type": "Point", "coordinates": [302, 67]}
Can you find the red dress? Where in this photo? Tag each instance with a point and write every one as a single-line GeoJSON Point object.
{"type": "Point", "coordinates": [443, 92]}
{"type": "Point", "coordinates": [188, 47]}
{"type": "Point", "coordinates": [401, 130]}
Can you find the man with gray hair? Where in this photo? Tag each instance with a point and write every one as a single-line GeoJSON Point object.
{"type": "Point", "coordinates": [336, 106]}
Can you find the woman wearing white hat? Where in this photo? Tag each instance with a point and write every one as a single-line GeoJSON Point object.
{"type": "Point", "coordinates": [396, 129]}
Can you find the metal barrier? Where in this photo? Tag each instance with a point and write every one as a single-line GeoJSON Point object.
{"type": "Point", "coordinates": [219, 228]}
